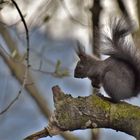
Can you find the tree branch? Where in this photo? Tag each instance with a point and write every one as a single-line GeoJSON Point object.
{"type": "Point", "coordinates": [90, 112]}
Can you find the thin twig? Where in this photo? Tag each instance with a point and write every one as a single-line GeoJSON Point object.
{"type": "Point", "coordinates": [27, 58]}
{"type": "Point", "coordinates": [11, 103]}
{"type": "Point", "coordinates": [38, 135]}
{"type": "Point", "coordinates": [27, 32]}
{"type": "Point", "coordinates": [28, 45]}
{"type": "Point", "coordinates": [16, 98]}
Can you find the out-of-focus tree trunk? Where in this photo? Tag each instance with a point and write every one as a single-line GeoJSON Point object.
{"type": "Point", "coordinates": [96, 11]}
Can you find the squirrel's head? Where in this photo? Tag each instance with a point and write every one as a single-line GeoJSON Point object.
{"type": "Point", "coordinates": [85, 66]}
{"type": "Point", "coordinates": [82, 67]}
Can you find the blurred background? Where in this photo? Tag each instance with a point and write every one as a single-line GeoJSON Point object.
{"type": "Point", "coordinates": [54, 28]}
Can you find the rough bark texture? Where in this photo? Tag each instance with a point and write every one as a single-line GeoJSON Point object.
{"type": "Point", "coordinates": [91, 112]}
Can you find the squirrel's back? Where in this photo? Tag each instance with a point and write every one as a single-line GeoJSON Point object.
{"type": "Point", "coordinates": [119, 48]}
{"type": "Point", "coordinates": [118, 79]}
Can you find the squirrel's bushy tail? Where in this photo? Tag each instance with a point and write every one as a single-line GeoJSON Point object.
{"type": "Point", "coordinates": [118, 46]}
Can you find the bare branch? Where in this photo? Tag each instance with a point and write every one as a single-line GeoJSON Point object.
{"type": "Point", "coordinates": [27, 59]}
{"type": "Point", "coordinates": [26, 29]}
{"type": "Point", "coordinates": [11, 103]}
{"type": "Point", "coordinates": [28, 44]}
{"type": "Point", "coordinates": [59, 71]}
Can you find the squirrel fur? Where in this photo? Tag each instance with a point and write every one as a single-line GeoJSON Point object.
{"type": "Point", "coordinates": [120, 73]}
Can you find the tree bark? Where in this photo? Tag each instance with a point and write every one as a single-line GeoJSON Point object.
{"type": "Point", "coordinates": [90, 112]}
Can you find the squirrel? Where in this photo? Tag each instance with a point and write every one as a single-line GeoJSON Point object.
{"type": "Point", "coordinates": [119, 74]}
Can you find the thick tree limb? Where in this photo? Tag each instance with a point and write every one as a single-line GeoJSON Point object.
{"type": "Point", "coordinates": [90, 112]}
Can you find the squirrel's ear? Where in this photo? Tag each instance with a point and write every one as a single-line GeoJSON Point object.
{"type": "Point", "coordinates": [80, 51]}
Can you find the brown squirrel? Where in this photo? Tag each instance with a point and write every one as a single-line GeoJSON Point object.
{"type": "Point", "coordinates": [120, 73]}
